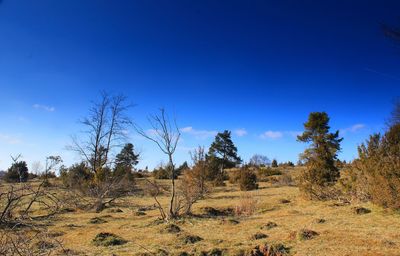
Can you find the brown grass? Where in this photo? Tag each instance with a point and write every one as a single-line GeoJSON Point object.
{"type": "Point", "coordinates": [343, 233]}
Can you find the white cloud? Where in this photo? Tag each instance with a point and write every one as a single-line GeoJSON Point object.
{"type": "Point", "coordinates": [199, 134]}
{"type": "Point", "coordinates": [353, 128]}
{"type": "Point", "coordinates": [271, 135]}
{"type": "Point", "coordinates": [9, 139]}
{"type": "Point", "coordinates": [240, 132]}
{"type": "Point", "coordinates": [44, 107]}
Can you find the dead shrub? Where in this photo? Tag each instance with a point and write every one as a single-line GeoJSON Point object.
{"type": "Point", "coordinates": [191, 239]}
{"type": "Point", "coordinates": [276, 249]}
{"type": "Point", "coordinates": [303, 234]}
{"type": "Point", "coordinates": [269, 225]}
{"type": "Point", "coordinates": [361, 210]}
{"type": "Point", "coordinates": [258, 236]}
{"type": "Point", "coordinates": [247, 205]}
{"type": "Point", "coordinates": [172, 228]}
{"type": "Point", "coordinates": [97, 220]}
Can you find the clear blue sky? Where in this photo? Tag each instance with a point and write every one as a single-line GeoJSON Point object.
{"type": "Point", "coordinates": [254, 67]}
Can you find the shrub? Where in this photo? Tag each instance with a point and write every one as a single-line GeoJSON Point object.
{"type": "Point", "coordinates": [108, 239]}
{"type": "Point", "coordinates": [258, 236]}
{"type": "Point", "coordinates": [269, 225]}
{"type": "Point", "coordinates": [78, 176]}
{"type": "Point", "coordinates": [18, 172]}
{"type": "Point", "coordinates": [268, 250]}
{"type": "Point", "coordinates": [304, 234]}
{"type": "Point", "coordinates": [375, 175]}
{"type": "Point", "coordinates": [192, 187]}
{"type": "Point", "coordinates": [247, 205]}
{"type": "Point", "coordinates": [247, 180]}
{"type": "Point", "coordinates": [268, 172]}
{"type": "Point", "coordinates": [191, 239]}
{"type": "Point", "coordinates": [162, 173]}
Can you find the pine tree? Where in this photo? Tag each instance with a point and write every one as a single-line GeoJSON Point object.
{"type": "Point", "coordinates": [222, 154]}
{"type": "Point", "coordinates": [127, 157]}
{"type": "Point", "coordinates": [18, 172]}
{"type": "Point", "coordinates": [274, 163]}
{"type": "Point", "coordinates": [125, 161]}
{"type": "Point", "coordinates": [321, 156]}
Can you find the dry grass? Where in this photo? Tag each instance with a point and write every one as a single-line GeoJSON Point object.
{"type": "Point", "coordinates": [341, 233]}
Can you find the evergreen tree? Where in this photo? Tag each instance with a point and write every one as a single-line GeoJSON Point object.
{"type": "Point", "coordinates": [127, 157]}
{"type": "Point", "coordinates": [321, 156]}
{"type": "Point", "coordinates": [274, 163]}
{"type": "Point", "coordinates": [18, 172]}
{"type": "Point", "coordinates": [182, 168]}
{"type": "Point", "coordinates": [125, 161]}
{"type": "Point", "coordinates": [222, 154]}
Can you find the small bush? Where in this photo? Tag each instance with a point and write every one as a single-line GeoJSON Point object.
{"type": "Point", "coordinates": [247, 180]}
{"type": "Point", "coordinates": [269, 225]}
{"type": "Point", "coordinates": [258, 236]}
{"type": "Point", "coordinates": [213, 212]}
{"type": "Point", "coordinates": [266, 172]}
{"type": "Point", "coordinates": [269, 250]}
{"type": "Point", "coordinates": [304, 234]}
{"type": "Point", "coordinates": [108, 239]}
{"type": "Point", "coordinates": [172, 228]}
{"type": "Point", "coordinates": [361, 210]}
{"type": "Point", "coordinates": [97, 220]}
{"type": "Point", "coordinates": [191, 239]}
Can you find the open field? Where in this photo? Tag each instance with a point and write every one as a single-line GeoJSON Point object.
{"type": "Point", "coordinates": [340, 230]}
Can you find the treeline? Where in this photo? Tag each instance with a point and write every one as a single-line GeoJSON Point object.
{"type": "Point", "coordinates": [374, 175]}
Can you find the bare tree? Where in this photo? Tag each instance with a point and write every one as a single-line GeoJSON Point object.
{"type": "Point", "coordinates": [37, 167]}
{"type": "Point", "coordinates": [199, 170]}
{"type": "Point", "coordinates": [51, 163]}
{"type": "Point", "coordinates": [15, 161]}
{"type": "Point", "coordinates": [105, 130]}
{"type": "Point", "coordinates": [165, 134]}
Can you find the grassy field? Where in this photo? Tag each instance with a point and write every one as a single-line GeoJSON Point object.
{"type": "Point", "coordinates": [340, 230]}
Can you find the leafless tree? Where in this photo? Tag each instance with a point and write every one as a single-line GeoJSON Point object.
{"type": "Point", "coordinates": [165, 134]}
{"type": "Point", "coordinates": [37, 167]}
{"type": "Point", "coordinates": [199, 169]}
{"type": "Point", "coordinates": [51, 163]}
{"type": "Point", "coordinates": [105, 130]}
{"type": "Point", "coordinates": [15, 161]}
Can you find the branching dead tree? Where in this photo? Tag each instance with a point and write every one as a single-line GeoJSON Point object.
{"type": "Point", "coordinates": [51, 163]}
{"type": "Point", "coordinates": [15, 161]}
{"type": "Point", "coordinates": [105, 130]}
{"type": "Point", "coordinates": [165, 134]}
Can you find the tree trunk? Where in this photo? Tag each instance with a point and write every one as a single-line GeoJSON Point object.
{"type": "Point", "coordinates": [172, 213]}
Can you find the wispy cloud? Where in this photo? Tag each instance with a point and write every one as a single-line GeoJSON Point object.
{"type": "Point", "coordinates": [199, 134]}
{"type": "Point", "coordinates": [9, 139]}
{"type": "Point", "coordinates": [382, 74]}
{"type": "Point", "coordinates": [271, 135]}
{"type": "Point", "coordinates": [240, 132]}
{"type": "Point", "coordinates": [353, 128]}
{"type": "Point", "coordinates": [44, 107]}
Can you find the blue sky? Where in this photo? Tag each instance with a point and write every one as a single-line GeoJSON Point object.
{"type": "Point", "coordinates": [257, 68]}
